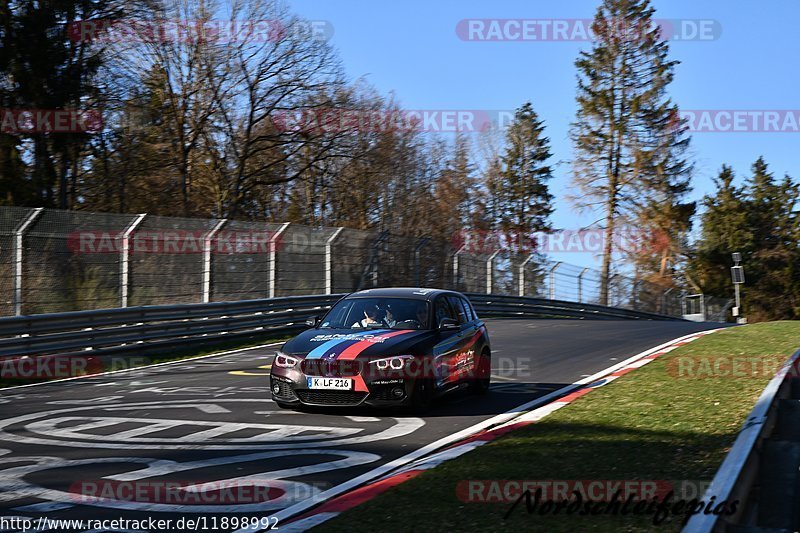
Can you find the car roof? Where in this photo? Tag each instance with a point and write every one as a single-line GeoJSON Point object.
{"type": "Point", "coordinates": [416, 293]}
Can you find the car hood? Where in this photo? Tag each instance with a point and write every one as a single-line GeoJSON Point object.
{"type": "Point", "coordinates": [332, 343]}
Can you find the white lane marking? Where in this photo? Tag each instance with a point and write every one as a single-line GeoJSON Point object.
{"type": "Point", "coordinates": [13, 480]}
{"type": "Point", "coordinates": [44, 507]}
{"type": "Point", "coordinates": [88, 401]}
{"type": "Point", "coordinates": [267, 432]}
{"type": "Point", "coordinates": [10, 398]}
{"type": "Point", "coordinates": [330, 436]}
{"type": "Point", "coordinates": [142, 368]}
{"type": "Point", "coordinates": [88, 424]}
{"type": "Point", "coordinates": [504, 378]}
{"type": "Point", "coordinates": [364, 418]}
{"type": "Point", "coordinates": [7, 492]}
{"type": "Point", "coordinates": [498, 420]}
{"type": "Point", "coordinates": [166, 467]}
{"type": "Point", "coordinates": [210, 408]}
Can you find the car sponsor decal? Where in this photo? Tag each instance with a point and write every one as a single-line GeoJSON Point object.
{"type": "Point", "coordinates": [353, 351]}
{"type": "Point", "coordinates": [335, 344]}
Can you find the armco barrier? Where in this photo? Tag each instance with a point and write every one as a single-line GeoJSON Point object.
{"type": "Point", "coordinates": [160, 327]}
{"type": "Point", "coordinates": [490, 305]}
{"type": "Point", "coordinates": [760, 471]}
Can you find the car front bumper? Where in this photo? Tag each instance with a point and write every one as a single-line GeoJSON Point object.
{"type": "Point", "coordinates": [290, 386]}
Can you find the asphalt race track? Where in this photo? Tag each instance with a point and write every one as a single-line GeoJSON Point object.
{"type": "Point", "coordinates": [116, 446]}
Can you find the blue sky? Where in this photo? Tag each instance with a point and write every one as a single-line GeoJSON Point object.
{"type": "Point", "coordinates": [411, 48]}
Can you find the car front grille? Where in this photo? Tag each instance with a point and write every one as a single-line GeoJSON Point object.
{"type": "Point", "coordinates": [333, 369]}
{"type": "Point", "coordinates": [331, 397]}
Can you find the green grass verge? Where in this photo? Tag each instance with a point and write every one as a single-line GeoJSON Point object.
{"type": "Point", "coordinates": [660, 422]}
{"type": "Point", "coordinates": [128, 361]}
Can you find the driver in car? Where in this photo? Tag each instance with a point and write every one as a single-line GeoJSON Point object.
{"type": "Point", "coordinates": [372, 317]}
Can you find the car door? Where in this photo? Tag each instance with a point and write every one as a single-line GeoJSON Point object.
{"type": "Point", "coordinates": [467, 352]}
{"type": "Point", "coordinates": [449, 345]}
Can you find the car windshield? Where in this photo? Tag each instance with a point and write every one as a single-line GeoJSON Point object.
{"type": "Point", "coordinates": [378, 313]}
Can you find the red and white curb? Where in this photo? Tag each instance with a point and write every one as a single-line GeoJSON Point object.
{"type": "Point", "coordinates": [331, 503]}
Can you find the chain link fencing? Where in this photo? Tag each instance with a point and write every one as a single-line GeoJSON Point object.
{"type": "Point", "coordinates": [55, 261]}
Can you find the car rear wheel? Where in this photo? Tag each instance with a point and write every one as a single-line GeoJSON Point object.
{"type": "Point", "coordinates": [483, 373]}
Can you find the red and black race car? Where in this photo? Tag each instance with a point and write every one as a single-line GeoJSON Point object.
{"type": "Point", "coordinates": [385, 347]}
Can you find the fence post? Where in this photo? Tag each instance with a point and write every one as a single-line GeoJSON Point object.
{"type": "Point", "coordinates": [455, 266]}
{"type": "Point", "coordinates": [124, 258]}
{"type": "Point", "coordinates": [610, 292]}
{"type": "Point", "coordinates": [580, 284]}
{"type": "Point", "coordinates": [19, 233]}
{"type": "Point", "coordinates": [273, 256]}
{"type": "Point", "coordinates": [207, 259]}
{"type": "Point", "coordinates": [521, 275]}
{"type": "Point", "coordinates": [553, 280]}
{"type": "Point", "coordinates": [422, 242]}
{"type": "Point", "coordinates": [664, 301]}
{"type": "Point", "coordinates": [329, 261]}
{"type": "Point", "coordinates": [490, 271]}
{"type": "Point", "coordinates": [703, 306]}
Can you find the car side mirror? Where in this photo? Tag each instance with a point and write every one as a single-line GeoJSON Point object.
{"type": "Point", "coordinates": [448, 324]}
{"type": "Point", "coordinates": [312, 321]}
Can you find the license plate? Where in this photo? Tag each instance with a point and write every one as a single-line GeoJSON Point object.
{"type": "Point", "coordinates": [330, 383]}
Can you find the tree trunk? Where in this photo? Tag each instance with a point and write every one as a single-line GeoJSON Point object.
{"type": "Point", "coordinates": [607, 248]}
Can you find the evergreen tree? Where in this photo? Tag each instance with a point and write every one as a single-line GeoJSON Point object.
{"type": "Point", "coordinates": [725, 229]}
{"type": "Point", "coordinates": [629, 149]}
{"type": "Point", "coordinates": [772, 261]}
{"type": "Point", "coordinates": [759, 220]}
{"type": "Point", "coordinates": [523, 201]}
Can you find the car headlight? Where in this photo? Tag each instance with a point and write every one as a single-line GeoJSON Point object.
{"type": "Point", "coordinates": [396, 362]}
{"type": "Point", "coordinates": [284, 361]}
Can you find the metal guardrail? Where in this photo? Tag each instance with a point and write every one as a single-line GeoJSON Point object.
{"type": "Point", "coordinates": [740, 473]}
{"type": "Point", "coordinates": [489, 305]}
{"type": "Point", "coordinates": [159, 327]}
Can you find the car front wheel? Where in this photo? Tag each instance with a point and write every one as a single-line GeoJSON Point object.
{"type": "Point", "coordinates": [483, 373]}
